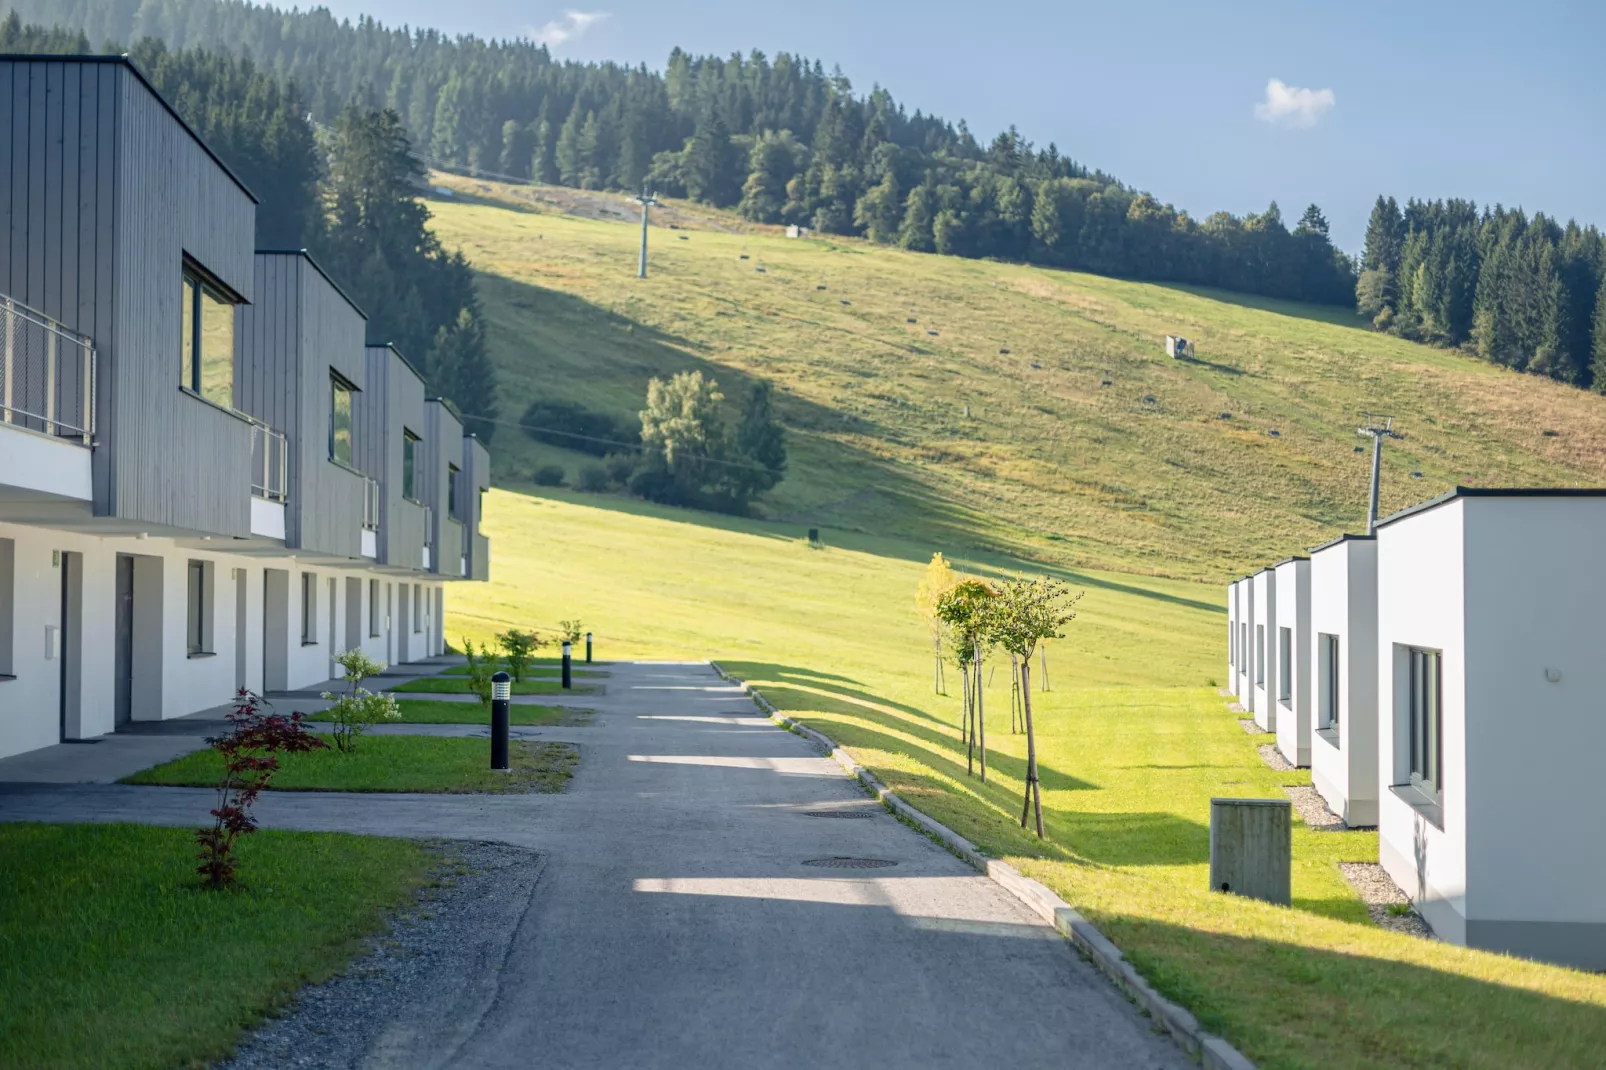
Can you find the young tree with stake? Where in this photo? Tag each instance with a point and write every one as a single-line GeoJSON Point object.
{"type": "Point", "coordinates": [1024, 613]}
{"type": "Point", "coordinates": [964, 608]}
{"type": "Point", "coordinates": [938, 578]}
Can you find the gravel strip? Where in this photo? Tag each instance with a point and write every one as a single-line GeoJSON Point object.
{"type": "Point", "coordinates": [1236, 707]}
{"type": "Point", "coordinates": [1379, 892]}
{"type": "Point", "coordinates": [422, 989]}
{"type": "Point", "coordinates": [1248, 725]}
{"type": "Point", "coordinates": [1274, 757]}
{"type": "Point", "coordinates": [1312, 809]}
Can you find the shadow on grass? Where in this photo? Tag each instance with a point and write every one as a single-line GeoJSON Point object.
{"type": "Point", "coordinates": [1355, 1009]}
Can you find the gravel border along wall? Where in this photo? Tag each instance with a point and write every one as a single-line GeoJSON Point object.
{"type": "Point", "coordinates": [422, 989]}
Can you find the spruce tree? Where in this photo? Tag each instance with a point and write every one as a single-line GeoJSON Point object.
{"type": "Point", "coordinates": [915, 232]}
{"type": "Point", "coordinates": [570, 162]}
{"type": "Point", "coordinates": [1597, 363]}
{"type": "Point", "coordinates": [462, 371]}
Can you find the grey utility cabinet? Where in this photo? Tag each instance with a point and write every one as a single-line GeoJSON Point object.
{"type": "Point", "coordinates": [1251, 848]}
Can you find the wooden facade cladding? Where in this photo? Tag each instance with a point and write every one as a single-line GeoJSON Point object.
{"type": "Point", "coordinates": [477, 467]}
{"type": "Point", "coordinates": [300, 333]}
{"type": "Point", "coordinates": [105, 192]}
{"type": "Point", "coordinates": [443, 449]}
{"type": "Point", "coordinates": [390, 406]}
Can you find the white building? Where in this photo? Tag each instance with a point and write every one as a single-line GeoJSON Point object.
{"type": "Point", "coordinates": [1292, 660]}
{"type": "Point", "coordinates": [1232, 637]}
{"type": "Point", "coordinates": [1246, 635]}
{"type": "Point", "coordinates": [1262, 648]}
{"type": "Point", "coordinates": [207, 482]}
{"type": "Point", "coordinates": [1343, 655]}
{"type": "Point", "coordinates": [1491, 620]}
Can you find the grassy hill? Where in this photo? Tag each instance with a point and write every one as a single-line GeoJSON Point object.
{"type": "Point", "coordinates": [990, 407]}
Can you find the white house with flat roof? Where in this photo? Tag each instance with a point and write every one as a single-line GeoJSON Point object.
{"type": "Point", "coordinates": [1491, 621]}
{"type": "Point", "coordinates": [1262, 648]}
{"type": "Point", "coordinates": [1343, 630]}
{"type": "Point", "coordinates": [1246, 650]}
{"type": "Point", "coordinates": [1232, 637]}
{"type": "Point", "coordinates": [1293, 659]}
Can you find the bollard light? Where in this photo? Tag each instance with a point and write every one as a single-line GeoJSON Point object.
{"type": "Point", "coordinates": [568, 680]}
{"type": "Point", "coordinates": [501, 697]}
{"type": "Point", "coordinates": [588, 648]}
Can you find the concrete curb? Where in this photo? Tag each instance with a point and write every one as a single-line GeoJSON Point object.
{"type": "Point", "coordinates": [1212, 1051]}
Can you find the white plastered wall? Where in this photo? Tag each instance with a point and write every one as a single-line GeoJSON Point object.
{"type": "Point", "coordinates": [1343, 604]}
{"type": "Point", "coordinates": [1232, 637]}
{"type": "Point", "coordinates": [1263, 649]}
{"type": "Point", "coordinates": [1420, 603]}
{"type": "Point", "coordinates": [1246, 636]}
{"type": "Point", "coordinates": [1293, 614]}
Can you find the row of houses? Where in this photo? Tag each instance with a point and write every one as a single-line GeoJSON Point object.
{"type": "Point", "coordinates": [209, 478]}
{"type": "Point", "coordinates": [1444, 680]}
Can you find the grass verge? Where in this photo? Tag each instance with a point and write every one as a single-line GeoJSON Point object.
{"type": "Point", "coordinates": [392, 763]}
{"type": "Point", "coordinates": [536, 672]}
{"type": "Point", "coordinates": [442, 711]}
{"type": "Point", "coordinates": [115, 956]}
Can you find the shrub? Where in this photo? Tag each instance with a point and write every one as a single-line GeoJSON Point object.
{"type": "Point", "coordinates": [593, 478]}
{"type": "Point", "coordinates": [575, 427]}
{"type": "Point", "coordinates": [571, 630]}
{"type": "Point", "coordinates": [479, 671]}
{"type": "Point", "coordinates": [549, 475]}
{"type": "Point", "coordinates": [248, 750]}
{"type": "Point", "coordinates": [354, 712]}
{"type": "Point", "coordinates": [517, 649]}
{"type": "Point", "coordinates": [620, 466]}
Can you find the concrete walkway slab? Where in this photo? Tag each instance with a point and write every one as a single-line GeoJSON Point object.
{"type": "Point", "coordinates": [677, 920]}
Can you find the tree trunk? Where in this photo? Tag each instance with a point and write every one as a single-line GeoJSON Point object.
{"type": "Point", "coordinates": [970, 705]}
{"type": "Point", "coordinates": [1042, 663]}
{"type": "Point", "coordinates": [981, 723]}
{"type": "Point", "coordinates": [936, 667]}
{"type": "Point", "coordinates": [1034, 794]}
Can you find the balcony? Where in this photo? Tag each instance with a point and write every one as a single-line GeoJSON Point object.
{"type": "Point", "coordinates": [270, 463]}
{"type": "Point", "coordinates": [47, 406]}
{"type": "Point", "coordinates": [370, 516]}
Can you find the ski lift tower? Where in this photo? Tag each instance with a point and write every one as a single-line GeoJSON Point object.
{"type": "Point", "coordinates": [1377, 427]}
{"type": "Point", "coordinates": [646, 200]}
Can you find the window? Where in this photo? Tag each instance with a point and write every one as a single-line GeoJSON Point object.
{"type": "Point", "coordinates": [206, 340]}
{"type": "Point", "coordinates": [1260, 655]}
{"type": "Point", "coordinates": [8, 603]}
{"type": "Point", "coordinates": [1285, 665]}
{"type": "Point", "coordinates": [453, 478]}
{"type": "Point", "coordinates": [373, 609]}
{"type": "Point", "coordinates": [409, 465]}
{"type": "Point", "coordinates": [1232, 644]}
{"type": "Point", "coordinates": [1327, 682]}
{"type": "Point", "coordinates": [1243, 646]}
{"type": "Point", "coordinates": [1427, 722]}
{"type": "Point", "coordinates": [309, 609]}
{"type": "Point", "coordinates": [339, 419]}
{"type": "Point", "coordinates": [198, 635]}
{"type": "Point", "coordinates": [418, 607]}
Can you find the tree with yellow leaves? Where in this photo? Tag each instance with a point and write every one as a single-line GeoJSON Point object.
{"type": "Point", "coordinates": [937, 580]}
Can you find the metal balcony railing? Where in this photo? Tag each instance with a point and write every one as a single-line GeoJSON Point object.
{"type": "Point", "coordinates": [270, 461]}
{"type": "Point", "coordinates": [429, 526]}
{"type": "Point", "coordinates": [47, 375]}
{"type": "Point", "coordinates": [370, 503]}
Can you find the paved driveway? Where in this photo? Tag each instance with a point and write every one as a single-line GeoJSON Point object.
{"type": "Point", "coordinates": [674, 922]}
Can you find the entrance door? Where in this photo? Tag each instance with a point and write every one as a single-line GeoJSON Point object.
{"type": "Point", "coordinates": [241, 626]}
{"type": "Point", "coordinates": [123, 703]}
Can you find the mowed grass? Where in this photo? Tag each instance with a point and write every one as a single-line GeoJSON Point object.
{"type": "Point", "coordinates": [929, 430]}
{"type": "Point", "coordinates": [1134, 741]}
{"type": "Point", "coordinates": [459, 685]}
{"type": "Point", "coordinates": [440, 711]}
{"type": "Point", "coordinates": [391, 763]}
{"type": "Point", "coordinates": [114, 956]}
{"type": "Point", "coordinates": [534, 672]}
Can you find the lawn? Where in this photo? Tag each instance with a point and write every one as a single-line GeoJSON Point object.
{"type": "Point", "coordinates": [392, 763]}
{"type": "Point", "coordinates": [540, 671]}
{"type": "Point", "coordinates": [114, 956]}
{"type": "Point", "coordinates": [458, 685]}
{"type": "Point", "coordinates": [1134, 741]}
{"type": "Point", "coordinates": [439, 711]}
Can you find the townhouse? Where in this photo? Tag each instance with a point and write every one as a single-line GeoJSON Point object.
{"type": "Point", "coordinates": [209, 479]}
{"type": "Point", "coordinates": [1455, 695]}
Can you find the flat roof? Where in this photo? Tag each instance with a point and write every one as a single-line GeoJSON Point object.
{"type": "Point", "coordinates": [1494, 492]}
{"type": "Point", "coordinates": [308, 257]}
{"type": "Point", "coordinates": [399, 356]}
{"type": "Point", "coordinates": [1289, 561]}
{"type": "Point", "coordinates": [449, 405]}
{"type": "Point", "coordinates": [125, 61]}
{"type": "Point", "coordinates": [1330, 543]}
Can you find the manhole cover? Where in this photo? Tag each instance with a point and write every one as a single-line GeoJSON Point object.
{"type": "Point", "coordinates": [838, 813]}
{"type": "Point", "coordinates": [850, 863]}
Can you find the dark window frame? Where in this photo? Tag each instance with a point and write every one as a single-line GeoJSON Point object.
{"type": "Point", "coordinates": [1285, 666]}
{"type": "Point", "coordinates": [454, 482]}
{"type": "Point", "coordinates": [1259, 655]}
{"type": "Point", "coordinates": [197, 604]}
{"type": "Point", "coordinates": [338, 385]}
{"type": "Point", "coordinates": [198, 284]}
{"type": "Point", "coordinates": [410, 444]}
{"type": "Point", "coordinates": [1329, 717]}
{"type": "Point", "coordinates": [373, 610]}
{"type": "Point", "coordinates": [309, 609]}
{"type": "Point", "coordinates": [1425, 725]}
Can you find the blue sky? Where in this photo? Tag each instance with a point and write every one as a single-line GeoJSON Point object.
{"type": "Point", "coordinates": [1429, 98]}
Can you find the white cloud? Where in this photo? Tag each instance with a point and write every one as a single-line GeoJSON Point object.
{"type": "Point", "coordinates": [571, 27]}
{"type": "Point", "coordinates": [1288, 105]}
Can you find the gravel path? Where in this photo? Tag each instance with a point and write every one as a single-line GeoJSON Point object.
{"type": "Point", "coordinates": [1312, 809]}
{"type": "Point", "coordinates": [1274, 758]}
{"type": "Point", "coordinates": [1379, 892]}
{"type": "Point", "coordinates": [440, 962]}
{"type": "Point", "coordinates": [1248, 725]}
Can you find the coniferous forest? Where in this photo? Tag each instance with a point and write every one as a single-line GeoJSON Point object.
{"type": "Point", "coordinates": [781, 140]}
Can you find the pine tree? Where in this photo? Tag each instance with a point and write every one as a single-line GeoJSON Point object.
{"type": "Point", "coordinates": [570, 161]}
{"type": "Point", "coordinates": [462, 371]}
{"type": "Point", "coordinates": [711, 163]}
{"type": "Point", "coordinates": [544, 162]}
{"type": "Point", "coordinates": [880, 211]}
{"type": "Point", "coordinates": [915, 232]}
{"type": "Point", "coordinates": [1597, 364]}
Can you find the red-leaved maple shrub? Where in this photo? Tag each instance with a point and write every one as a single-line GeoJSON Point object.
{"type": "Point", "coordinates": [249, 752]}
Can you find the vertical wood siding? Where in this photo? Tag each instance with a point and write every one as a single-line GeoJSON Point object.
{"type": "Point", "coordinates": [443, 445]}
{"type": "Point", "coordinates": [104, 192]}
{"type": "Point", "coordinates": [390, 377]}
{"type": "Point", "coordinates": [477, 469]}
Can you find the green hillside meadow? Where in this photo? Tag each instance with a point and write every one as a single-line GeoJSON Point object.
{"type": "Point", "coordinates": [1144, 506]}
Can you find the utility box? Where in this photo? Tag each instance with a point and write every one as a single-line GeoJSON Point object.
{"type": "Point", "coordinates": [1178, 347]}
{"type": "Point", "coordinates": [1251, 848]}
